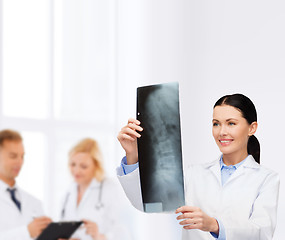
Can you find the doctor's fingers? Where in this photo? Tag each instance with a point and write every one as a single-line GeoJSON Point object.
{"type": "Point", "coordinates": [128, 134]}
{"type": "Point", "coordinates": [191, 221]}
{"type": "Point", "coordinates": [92, 231]}
{"type": "Point", "coordinates": [132, 126]}
{"type": "Point", "coordinates": [40, 224]}
{"type": "Point", "coordinates": [43, 219]}
{"type": "Point", "coordinates": [91, 228]}
{"type": "Point", "coordinates": [86, 221]}
{"type": "Point", "coordinates": [134, 121]}
{"type": "Point", "coordinates": [90, 224]}
{"type": "Point", "coordinates": [193, 226]}
{"type": "Point", "coordinates": [185, 209]}
{"type": "Point", "coordinates": [43, 224]}
{"type": "Point", "coordinates": [187, 215]}
{"type": "Point", "coordinates": [196, 223]}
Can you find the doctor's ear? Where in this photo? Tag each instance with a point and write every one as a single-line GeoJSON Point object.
{"type": "Point", "coordinates": [252, 128]}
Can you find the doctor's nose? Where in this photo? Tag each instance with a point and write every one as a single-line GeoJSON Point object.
{"type": "Point", "coordinates": [223, 131]}
{"type": "Point", "coordinates": [75, 169]}
{"type": "Point", "coordinates": [19, 160]}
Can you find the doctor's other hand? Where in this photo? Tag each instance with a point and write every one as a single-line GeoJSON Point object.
{"type": "Point", "coordinates": [195, 218]}
{"type": "Point", "coordinates": [36, 227]}
{"type": "Point", "coordinates": [128, 139]}
{"type": "Point", "coordinates": [93, 230]}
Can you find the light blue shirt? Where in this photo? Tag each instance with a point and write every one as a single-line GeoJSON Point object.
{"type": "Point", "coordinates": [226, 172]}
{"type": "Point", "coordinates": [126, 169]}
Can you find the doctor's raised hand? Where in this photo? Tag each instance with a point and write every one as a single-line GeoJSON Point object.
{"type": "Point", "coordinates": [128, 139]}
{"type": "Point", "coordinates": [230, 198]}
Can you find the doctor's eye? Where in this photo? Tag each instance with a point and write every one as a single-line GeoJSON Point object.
{"type": "Point", "coordinates": [232, 123]}
{"type": "Point", "coordinates": [215, 124]}
{"type": "Point", "coordinates": [13, 155]}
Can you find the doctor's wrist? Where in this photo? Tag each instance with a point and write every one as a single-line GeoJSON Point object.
{"type": "Point", "coordinates": [100, 237]}
{"type": "Point", "coordinates": [214, 226]}
{"type": "Point", "coordinates": [132, 158]}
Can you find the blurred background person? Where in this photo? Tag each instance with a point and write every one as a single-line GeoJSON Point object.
{"type": "Point", "coordinates": [21, 215]}
{"type": "Point", "coordinates": [92, 197]}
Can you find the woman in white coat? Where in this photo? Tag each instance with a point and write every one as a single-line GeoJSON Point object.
{"type": "Point", "coordinates": [92, 198]}
{"type": "Point", "coordinates": [233, 197]}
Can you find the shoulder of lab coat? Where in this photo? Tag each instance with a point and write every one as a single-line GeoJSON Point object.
{"type": "Point", "coordinates": [29, 203]}
{"type": "Point", "coordinates": [262, 222]}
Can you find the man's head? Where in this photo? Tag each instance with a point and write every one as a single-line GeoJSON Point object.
{"type": "Point", "coordinates": [11, 155]}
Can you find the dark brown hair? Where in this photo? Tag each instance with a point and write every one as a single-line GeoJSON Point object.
{"type": "Point", "coordinates": [248, 111]}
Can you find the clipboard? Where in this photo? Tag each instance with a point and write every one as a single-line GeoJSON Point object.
{"type": "Point", "coordinates": [56, 230]}
{"type": "Point", "coordinates": [159, 148]}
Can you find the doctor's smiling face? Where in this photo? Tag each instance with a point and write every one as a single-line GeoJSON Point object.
{"type": "Point", "coordinates": [231, 132]}
{"type": "Point", "coordinates": [82, 168]}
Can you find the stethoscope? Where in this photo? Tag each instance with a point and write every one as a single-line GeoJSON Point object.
{"type": "Point", "coordinates": [99, 205]}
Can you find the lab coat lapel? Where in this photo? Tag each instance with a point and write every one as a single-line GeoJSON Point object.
{"type": "Point", "coordinates": [249, 163]}
{"type": "Point", "coordinates": [7, 200]}
{"type": "Point", "coordinates": [5, 196]}
{"type": "Point", "coordinates": [92, 185]}
{"type": "Point", "coordinates": [216, 170]}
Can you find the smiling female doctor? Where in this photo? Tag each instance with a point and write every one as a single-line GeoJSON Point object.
{"type": "Point", "coordinates": [92, 198]}
{"type": "Point", "coordinates": [233, 197]}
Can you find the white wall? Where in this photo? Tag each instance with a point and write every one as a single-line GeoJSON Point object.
{"type": "Point", "coordinates": [211, 48]}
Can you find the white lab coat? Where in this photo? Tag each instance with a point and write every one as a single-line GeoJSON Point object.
{"type": "Point", "coordinates": [246, 204]}
{"type": "Point", "coordinates": [107, 217]}
{"type": "Point", "coordinates": [13, 223]}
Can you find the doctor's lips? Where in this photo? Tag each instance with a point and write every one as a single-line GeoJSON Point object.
{"type": "Point", "coordinates": [225, 142]}
{"type": "Point", "coordinates": [16, 170]}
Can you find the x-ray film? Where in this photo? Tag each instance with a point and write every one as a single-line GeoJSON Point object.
{"type": "Point", "coordinates": [159, 148]}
